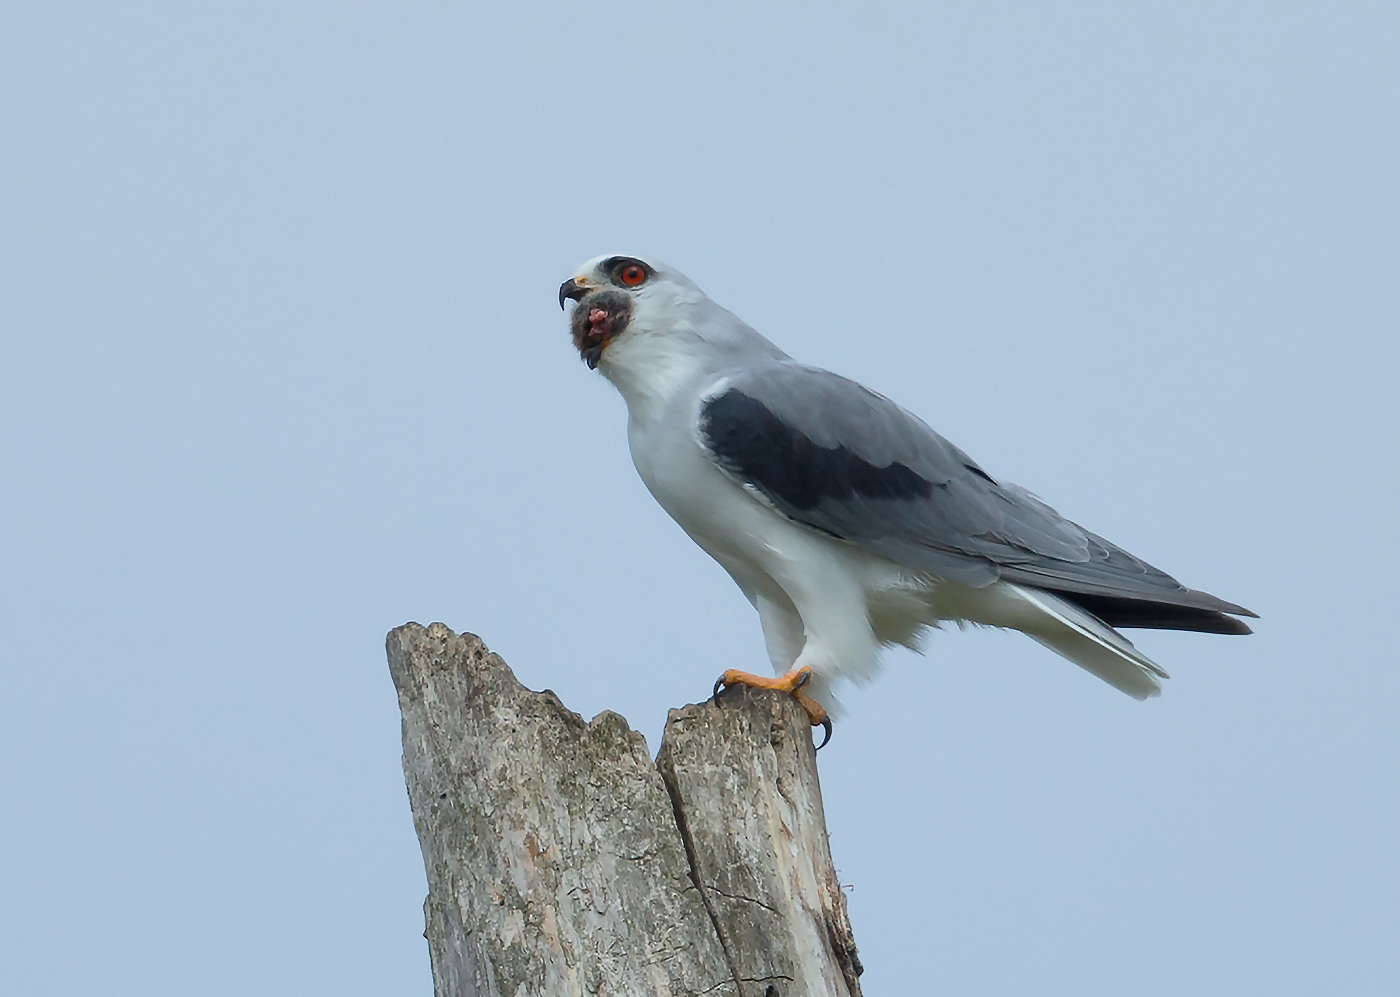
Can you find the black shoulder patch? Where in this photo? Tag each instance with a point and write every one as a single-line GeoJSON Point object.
{"type": "Point", "coordinates": [753, 443]}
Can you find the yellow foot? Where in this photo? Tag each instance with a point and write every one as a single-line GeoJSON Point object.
{"type": "Point", "coordinates": [792, 683]}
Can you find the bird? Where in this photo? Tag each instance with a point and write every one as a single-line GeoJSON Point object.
{"type": "Point", "coordinates": [846, 521]}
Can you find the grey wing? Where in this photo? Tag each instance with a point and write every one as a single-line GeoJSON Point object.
{"type": "Point", "coordinates": [842, 459]}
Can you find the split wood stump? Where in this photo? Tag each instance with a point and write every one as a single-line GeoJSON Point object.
{"type": "Point", "coordinates": [562, 860]}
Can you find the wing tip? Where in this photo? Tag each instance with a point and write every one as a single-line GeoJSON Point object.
{"type": "Point", "coordinates": [1219, 605]}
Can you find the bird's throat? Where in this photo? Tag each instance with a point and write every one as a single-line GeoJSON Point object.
{"type": "Point", "coordinates": [599, 318]}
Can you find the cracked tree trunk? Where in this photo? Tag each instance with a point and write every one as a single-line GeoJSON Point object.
{"type": "Point", "coordinates": [562, 860]}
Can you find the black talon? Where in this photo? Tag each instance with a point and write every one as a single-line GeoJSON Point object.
{"type": "Point", "coordinates": [719, 687]}
{"type": "Point", "coordinates": [826, 727]}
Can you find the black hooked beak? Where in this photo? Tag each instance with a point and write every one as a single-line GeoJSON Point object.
{"type": "Point", "coordinates": [572, 290]}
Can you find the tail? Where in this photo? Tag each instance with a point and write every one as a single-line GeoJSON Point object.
{"type": "Point", "coordinates": [1092, 644]}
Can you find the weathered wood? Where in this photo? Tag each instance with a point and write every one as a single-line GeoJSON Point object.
{"type": "Point", "coordinates": [743, 774]}
{"type": "Point", "coordinates": [554, 863]}
{"type": "Point", "coordinates": [562, 860]}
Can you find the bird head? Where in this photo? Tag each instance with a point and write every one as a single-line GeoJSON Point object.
{"type": "Point", "coordinates": [619, 295]}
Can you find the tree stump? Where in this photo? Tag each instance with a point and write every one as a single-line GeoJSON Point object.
{"type": "Point", "coordinates": [562, 860]}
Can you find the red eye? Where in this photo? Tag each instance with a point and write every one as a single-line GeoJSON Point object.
{"type": "Point", "coordinates": [632, 274]}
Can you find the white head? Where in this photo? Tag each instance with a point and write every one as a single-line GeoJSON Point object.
{"type": "Point", "coordinates": [633, 312]}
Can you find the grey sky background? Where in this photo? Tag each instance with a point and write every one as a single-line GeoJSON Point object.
{"type": "Point", "coordinates": [283, 368]}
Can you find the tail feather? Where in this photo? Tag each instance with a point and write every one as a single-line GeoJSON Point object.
{"type": "Point", "coordinates": [1092, 644]}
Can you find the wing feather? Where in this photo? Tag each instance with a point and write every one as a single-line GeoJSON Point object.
{"type": "Point", "coordinates": [842, 459]}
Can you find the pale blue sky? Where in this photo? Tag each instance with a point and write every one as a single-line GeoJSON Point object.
{"type": "Point", "coordinates": [283, 367]}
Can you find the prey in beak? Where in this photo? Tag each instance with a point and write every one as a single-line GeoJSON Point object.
{"type": "Point", "coordinates": [601, 315]}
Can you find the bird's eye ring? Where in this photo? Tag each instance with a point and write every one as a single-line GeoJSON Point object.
{"type": "Point", "coordinates": [632, 274]}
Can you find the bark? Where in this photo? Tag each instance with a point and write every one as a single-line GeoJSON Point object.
{"type": "Point", "coordinates": [562, 860]}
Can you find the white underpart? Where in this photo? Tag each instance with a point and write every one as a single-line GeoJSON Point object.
{"type": "Point", "coordinates": [823, 603]}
